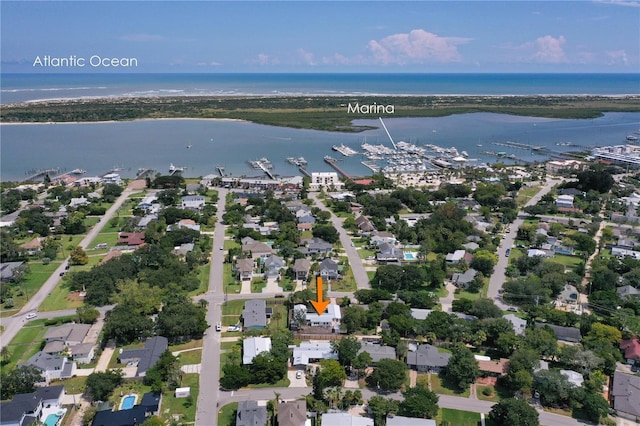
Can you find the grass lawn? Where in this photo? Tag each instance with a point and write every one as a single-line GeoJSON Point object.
{"type": "Point", "coordinates": [526, 193]}
{"type": "Point", "coordinates": [227, 414]}
{"type": "Point", "coordinates": [90, 221]}
{"type": "Point", "coordinates": [463, 294]}
{"type": "Point", "coordinates": [363, 253]}
{"type": "Point", "coordinates": [257, 285]}
{"type": "Point", "coordinates": [25, 344]}
{"type": "Point", "coordinates": [38, 274]}
{"type": "Point", "coordinates": [440, 385]}
{"type": "Point", "coordinates": [113, 363]}
{"type": "Point", "coordinates": [108, 228]}
{"type": "Point", "coordinates": [282, 322]}
{"type": "Point", "coordinates": [306, 234]}
{"type": "Point", "coordinates": [203, 276]}
{"type": "Point", "coordinates": [129, 386]}
{"type": "Point", "coordinates": [494, 396]}
{"type": "Point", "coordinates": [111, 239]}
{"type": "Point", "coordinates": [189, 345]}
{"type": "Point", "coordinates": [191, 357]}
{"type": "Point", "coordinates": [287, 284]}
{"type": "Point", "coordinates": [347, 283]}
{"type": "Point", "coordinates": [231, 244]}
{"type": "Point", "coordinates": [370, 275]}
{"type": "Point", "coordinates": [570, 261]}
{"type": "Point", "coordinates": [185, 407]}
{"type": "Point", "coordinates": [233, 307]}
{"type": "Point", "coordinates": [284, 383]}
{"type": "Point", "coordinates": [458, 417]}
{"type": "Point", "coordinates": [228, 346]}
{"type": "Point", "coordinates": [59, 299]}
{"type": "Point", "coordinates": [72, 385]}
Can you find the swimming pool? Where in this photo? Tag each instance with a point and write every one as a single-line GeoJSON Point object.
{"type": "Point", "coordinates": [52, 420]}
{"type": "Point", "coordinates": [409, 256]}
{"type": "Point", "coordinates": [128, 402]}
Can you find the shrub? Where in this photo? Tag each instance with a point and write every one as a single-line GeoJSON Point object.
{"type": "Point", "coordinates": [488, 391]}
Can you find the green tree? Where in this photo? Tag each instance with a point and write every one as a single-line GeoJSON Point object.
{"type": "Point", "coordinates": [331, 373]}
{"type": "Point", "coordinates": [78, 256]}
{"type": "Point", "coordinates": [388, 375]}
{"type": "Point", "coordinates": [419, 402]}
{"type": "Point", "coordinates": [101, 384]}
{"type": "Point", "coordinates": [513, 412]}
{"type": "Point", "coordinates": [87, 314]}
{"type": "Point", "coordinates": [347, 349]}
{"type": "Point", "coordinates": [235, 377]}
{"type": "Point", "coordinates": [19, 380]}
{"type": "Point", "coordinates": [361, 362]}
{"type": "Point", "coordinates": [268, 369]}
{"type": "Point", "coordinates": [380, 408]}
{"type": "Point", "coordinates": [154, 421]}
{"type": "Point", "coordinates": [594, 406]}
{"type": "Point", "coordinates": [462, 367]}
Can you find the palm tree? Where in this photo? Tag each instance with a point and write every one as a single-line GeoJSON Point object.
{"type": "Point", "coordinates": [203, 303]}
{"type": "Point", "coordinates": [5, 354]}
{"type": "Point", "coordinates": [277, 316]}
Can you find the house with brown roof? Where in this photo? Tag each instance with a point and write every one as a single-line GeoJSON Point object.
{"type": "Point", "coordinates": [304, 226]}
{"type": "Point", "coordinates": [244, 269]}
{"type": "Point", "coordinates": [131, 239]}
{"type": "Point", "coordinates": [631, 348]}
{"type": "Point", "coordinates": [32, 247]}
{"type": "Point", "coordinates": [364, 224]}
{"type": "Point", "coordinates": [256, 248]}
{"type": "Point", "coordinates": [111, 255]}
{"type": "Point", "coordinates": [292, 413]}
{"type": "Point", "coordinates": [494, 367]}
{"type": "Point", "coordinates": [301, 268]}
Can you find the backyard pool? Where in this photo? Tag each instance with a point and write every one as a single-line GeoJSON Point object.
{"type": "Point", "coordinates": [128, 402]}
{"type": "Point", "coordinates": [52, 420]}
{"type": "Point", "coordinates": [409, 256]}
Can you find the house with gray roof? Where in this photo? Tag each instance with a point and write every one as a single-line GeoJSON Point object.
{"type": "Point", "coordinates": [389, 254]}
{"type": "Point", "coordinates": [379, 237]}
{"type": "Point", "coordinates": [518, 324]}
{"type": "Point", "coordinates": [566, 334]}
{"type": "Point", "coordinates": [329, 269]}
{"type": "Point", "coordinates": [427, 358]}
{"type": "Point", "coordinates": [244, 269]}
{"type": "Point", "coordinates": [462, 280]}
{"type": "Point", "coordinates": [409, 421]}
{"type": "Point", "coordinates": [193, 188]}
{"type": "Point", "coordinates": [316, 246]}
{"type": "Point", "coordinates": [569, 294]}
{"type": "Point", "coordinates": [301, 268]}
{"type": "Point", "coordinates": [273, 264]}
{"type": "Point", "coordinates": [69, 334]}
{"type": "Point", "coordinates": [627, 291]}
{"type": "Point", "coordinates": [256, 248]}
{"type": "Point", "coordinates": [626, 395]}
{"type": "Point", "coordinates": [378, 352]}
{"type": "Point", "coordinates": [8, 270]}
{"type": "Point", "coordinates": [252, 346]}
{"type": "Point", "coordinates": [146, 357]}
{"type": "Point", "coordinates": [52, 366]}
{"type": "Point", "coordinates": [250, 414]}
{"type": "Point", "coordinates": [364, 225]}
{"type": "Point", "coordinates": [26, 408]}
{"type": "Point", "coordinates": [192, 202]}
{"type": "Point", "coordinates": [254, 315]}
{"type": "Point", "coordinates": [455, 257]}
{"type": "Point", "coordinates": [293, 413]}
{"type": "Point", "coordinates": [345, 419]}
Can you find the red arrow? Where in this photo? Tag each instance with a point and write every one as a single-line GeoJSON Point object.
{"type": "Point", "coordinates": [320, 305]}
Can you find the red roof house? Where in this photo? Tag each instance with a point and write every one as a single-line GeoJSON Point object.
{"type": "Point", "coordinates": [631, 350]}
{"type": "Point", "coordinates": [131, 239]}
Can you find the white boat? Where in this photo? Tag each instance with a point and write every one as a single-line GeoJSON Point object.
{"type": "Point", "coordinates": [344, 150]}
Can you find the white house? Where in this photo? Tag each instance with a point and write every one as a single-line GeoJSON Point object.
{"type": "Point", "coordinates": [112, 178]}
{"type": "Point", "coordinates": [312, 351]}
{"type": "Point", "coordinates": [325, 180]}
{"type": "Point", "coordinates": [253, 346]}
{"type": "Point", "coordinates": [565, 201]}
{"type": "Point", "coordinates": [455, 257]}
{"type": "Point", "coordinates": [193, 202]}
{"type": "Point", "coordinates": [330, 318]}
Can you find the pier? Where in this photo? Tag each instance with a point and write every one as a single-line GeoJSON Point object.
{"type": "Point", "coordinates": [371, 166]}
{"type": "Point", "coordinates": [304, 171]}
{"type": "Point", "coordinates": [332, 162]}
{"type": "Point", "coordinates": [220, 170]}
{"type": "Point", "coordinates": [519, 145]}
{"type": "Point", "coordinates": [40, 174]}
{"type": "Point", "coordinates": [144, 172]}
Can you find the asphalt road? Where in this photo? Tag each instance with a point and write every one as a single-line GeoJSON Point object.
{"type": "Point", "coordinates": [359, 273]}
{"type": "Point", "coordinates": [208, 397]}
{"type": "Point", "coordinates": [498, 277]}
{"type": "Point", "coordinates": [13, 324]}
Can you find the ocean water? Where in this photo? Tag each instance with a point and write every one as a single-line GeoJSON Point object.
{"type": "Point", "coordinates": [41, 86]}
{"type": "Point", "coordinates": [97, 147]}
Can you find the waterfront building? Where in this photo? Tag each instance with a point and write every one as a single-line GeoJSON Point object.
{"type": "Point", "coordinates": [325, 180]}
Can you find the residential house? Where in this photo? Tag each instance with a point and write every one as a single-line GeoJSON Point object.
{"type": "Point", "coordinates": [256, 248]}
{"type": "Point", "coordinates": [148, 406]}
{"type": "Point", "coordinates": [304, 226]}
{"type": "Point", "coordinates": [389, 254]}
{"type": "Point", "coordinates": [455, 257]}
{"type": "Point", "coordinates": [413, 218]}
{"type": "Point", "coordinates": [316, 246]}
{"type": "Point", "coordinates": [78, 202]}
{"type": "Point", "coordinates": [329, 269]}
{"type": "Point", "coordinates": [112, 178]}
{"type": "Point", "coordinates": [471, 246]}
{"type": "Point", "coordinates": [573, 377]}
{"type": "Point", "coordinates": [518, 324]}
{"type": "Point", "coordinates": [626, 395]}
{"type": "Point", "coordinates": [364, 225]}
{"type": "Point", "coordinates": [627, 291]}
{"type": "Point", "coordinates": [32, 247]}
{"type": "Point", "coordinates": [69, 336]}
{"type": "Point", "coordinates": [345, 419]}
{"type": "Point", "coordinates": [378, 352]}
{"type": "Point", "coordinates": [188, 224]}
{"type": "Point", "coordinates": [537, 252]}
{"type": "Point", "coordinates": [301, 268]}
{"type": "Point", "coordinates": [149, 204]}
{"type": "Point", "coordinates": [252, 346]}
{"type": "Point", "coordinates": [569, 295]}
{"type": "Point", "coordinates": [409, 421]}
{"type": "Point", "coordinates": [631, 348]}
{"type": "Point", "coordinates": [52, 366]}
{"type": "Point", "coordinates": [192, 202]}
{"type": "Point", "coordinates": [565, 201]}
{"type": "Point", "coordinates": [330, 318]}
{"type": "Point", "coordinates": [131, 239]}
{"type": "Point", "coordinates": [553, 167]}
{"type": "Point", "coordinates": [570, 191]}
{"type": "Point", "coordinates": [146, 357]}
{"type": "Point", "coordinates": [307, 219]}
{"type": "Point", "coordinates": [462, 280]}
{"type": "Point", "coordinates": [566, 334]}
{"type": "Point", "coordinates": [273, 265]}
{"type": "Point", "coordinates": [27, 408]}
{"type": "Point", "coordinates": [82, 353]}
{"type": "Point", "coordinates": [8, 270]}
{"type": "Point", "coordinates": [491, 367]}
{"type": "Point", "coordinates": [183, 249]}
{"type": "Point", "coordinates": [379, 237]}
{"type": "Point", "coordinates": [244, 269]}
{"type": "Point", "coordinates": [427, 358]}
{"type": "Point", "coordinates": [250, 414]}
{"type": "Point", "coordinates": [293, 413]}
{"type": "Point", "coordinates": [146, 220]}
{"type": "Point", "coordinates": [193, 188]}
{"type": "Point", "coordinates": [254, 314]}
{"type": "Point", "coordinates": [620, 252]}
{"type": "Point", "coordinates": [312, 351]}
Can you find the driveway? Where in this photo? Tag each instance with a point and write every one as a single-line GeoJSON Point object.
{"type": "Point", "coordinates": [295, 382]}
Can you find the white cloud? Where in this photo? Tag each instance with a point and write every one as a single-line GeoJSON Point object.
{"type": "Point", "coordinates": [628, 3]}
{"type": "Point", "coordinates": [209, 64]}
{"type": "Point", "coordinates": [617, 57]}
{"type": "Point", "coordinates": [549, 50]}
{"type": "Point", "coordinates": [417, 46]}
{"type": "Point", "coordinates": [141, 37]}
{"type": "Point", "coordinates": [306, 57]}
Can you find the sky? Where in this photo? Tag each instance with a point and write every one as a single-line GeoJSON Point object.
{"type": "Point", "coordinates": [325, 37]}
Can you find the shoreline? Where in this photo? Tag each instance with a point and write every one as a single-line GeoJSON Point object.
{"type": "Point", "coordinates": [42, 123]}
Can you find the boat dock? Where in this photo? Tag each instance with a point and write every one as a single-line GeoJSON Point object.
{"type": "Point", "coordinates": [220, 170]}
{"type": "Point", "coordinates": [304, 171]}
{"type": "Point", "coordinates": [40, 174]}
{"type": "Point", "coordinates": [144, 172]}
{"type": "Point", "coordinates": [332, 162]}
{"type": "Point", "coordinates": [519, 145]}
{"type": "Point", "coordinates": [371, 166]}
{"type": "Point", "coordinates": [173, 170]}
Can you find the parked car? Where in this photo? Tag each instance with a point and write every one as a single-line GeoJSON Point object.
{"type": "Point", "coordinates": [31, 315]}
{"type": "Point", "coordinates": [299, 374]}
{"type": "Point", "coordinates": [219, 326]}
{"type": "Point", "coordinates": [507, 253]}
